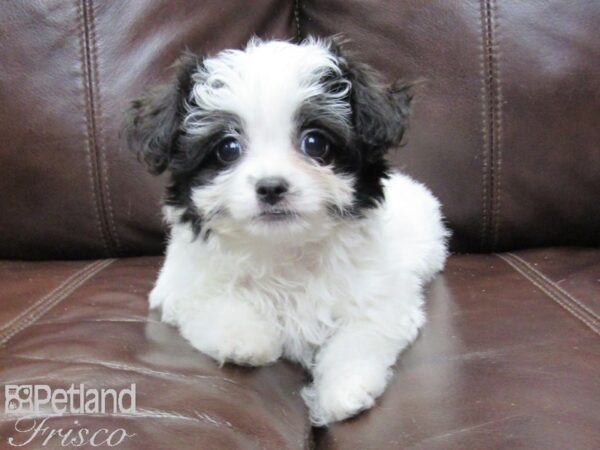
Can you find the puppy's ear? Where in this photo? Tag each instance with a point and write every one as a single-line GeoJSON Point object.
{"type": "Point", "coordinates": [379, 111]}
{"type": "Point", "coordinates": [152, 125]}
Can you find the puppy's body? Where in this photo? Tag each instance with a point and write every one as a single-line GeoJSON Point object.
{"type": "Point", "coordinates": [343, 307]}
{"type": "Point", "coordinates": [326, 264]}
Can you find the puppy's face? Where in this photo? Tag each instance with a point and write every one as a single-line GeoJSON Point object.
{"type": "Point", "coordinates": [277, 141]}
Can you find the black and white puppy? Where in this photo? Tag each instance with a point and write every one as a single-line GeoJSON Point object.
{"type": "Point", "coordinates": [289, 234]}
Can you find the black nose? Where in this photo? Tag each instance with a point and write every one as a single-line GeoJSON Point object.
{"type": "Point", "coordinates": [272, 189]}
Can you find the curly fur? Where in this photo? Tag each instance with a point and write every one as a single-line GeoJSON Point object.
{"type": "Point", "coordinates": [338, 285]}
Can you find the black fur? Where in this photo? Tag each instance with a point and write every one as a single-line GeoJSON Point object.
{"type": "Point", "coordinates": [379, 118]}
{"type": "Point", "coordinates": [154, 131]}
{"type": "Point", "coordinates": [153, 122]}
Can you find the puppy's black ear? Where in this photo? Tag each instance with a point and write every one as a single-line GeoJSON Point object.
{"type": "Point", "coordinates": [379, 111]}
{"type": "Point", "coordinates": [152, 125]}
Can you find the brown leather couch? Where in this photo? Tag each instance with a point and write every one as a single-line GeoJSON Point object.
{"type": "Point", "coordinates": [505, 130]}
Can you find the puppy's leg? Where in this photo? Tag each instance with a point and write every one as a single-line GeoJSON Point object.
{"type": "Point", "coordinates": [231, 331]}
{"type": "Point", "coordinates": [353, 368]}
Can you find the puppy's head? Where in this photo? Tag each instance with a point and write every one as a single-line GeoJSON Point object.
{"type": "Point", "coordinates": [276, 141]}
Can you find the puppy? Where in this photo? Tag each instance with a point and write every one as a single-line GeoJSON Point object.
{"type": "Point", "coordinates": [289, 234]}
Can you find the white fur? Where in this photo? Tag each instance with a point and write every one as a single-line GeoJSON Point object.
{"type": "Point", "coordinates": [344, 307]}
{"type": "Point", "coordinates": [342, 296]}
{"type": "Point", "coordinates": [263, 84]}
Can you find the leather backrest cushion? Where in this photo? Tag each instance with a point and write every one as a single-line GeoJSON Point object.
{"type": "Point", "coordinates": [505, 125]}
{"type": "Point", "coordinates": [68, 186]}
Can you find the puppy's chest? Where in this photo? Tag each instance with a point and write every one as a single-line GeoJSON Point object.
{"type": "Point", "coordinates": [302, 289]}
{"type": "Point", "coordinates": [306, 300]}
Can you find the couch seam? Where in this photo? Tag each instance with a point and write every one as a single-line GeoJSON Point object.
{"type": "Point", "coordinates": [94, 145]}
{"type": "Point", "coordinates": [136, 369]}
{"type": "Point", "coordinates": [89, 138]}
{"type": "Point", "coordinates": [149, 412]}
{"type": "Point", "coordinates": [491, 127]}
{"type": "Point", "coordinates": [297, 20]}
{"type": "Point", "coordinates": [591, 323]}
{"type": "Point", "coordinates": [484, 129]}
{"type": "Point", "coordinates": [105, 185]}
{"type": "Point", "coordinates": [551, 283]}
{"type": "Point", "coordinates": [497, 152]}
{"type": "Point", "coordinates": [145, 413]}
{"type": "Point", "coordinates": [56, 296]}
{"type": "Point", "coordinates": [42, 299]}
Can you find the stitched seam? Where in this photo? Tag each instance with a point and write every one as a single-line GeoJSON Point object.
{"type": "Point", "coordinates": [96, 149]}
{"type": "Point", "coordinates": [94, 146]}
{"type": "Point", "coordinates": [532, 276]}
{"type": "Point", "coordinates": [555, 286]}
{"type": "Point", "coordinates": [126, 368]}
{"type": "Point", "coordinates": [49, 298]}
{"type": "Point", "coordinates": [43, 299]}
{"type": "Point", "coordinates": [79, 321]}
{"type": "Point", "coordinates": [105, 186]}
{"type": "Point", "coordinates": [497, 149]}
{"type": "Point", "coordinates": [491, 104]}
{"type": "Point", "coordinates": [55, 300]}
{"type": "Point", "coordinates": [590, 323]}
{"type": "Point", "coordinates": [297, 20]}
{"type": "Point", "coordinates": [549, 286]}
{"type": "Point", "coordinates": [88, 141]}
{"type": "Point", "coordinates": [147, 413]}
{"type": "Point", "coordinates": [140, 413]}
{"type": "Point", "coordinates": [566, 306]}
{"type": "Point", "coordinates": [485, 94]}
{"type": "Point", "coordinates": [51, 301]}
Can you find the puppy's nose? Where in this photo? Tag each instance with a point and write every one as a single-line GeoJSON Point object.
{"type": "Point", "coordinates": [272, 189]}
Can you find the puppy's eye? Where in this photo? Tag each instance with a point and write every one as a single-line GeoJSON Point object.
{"type": "Point", "coordinates": [315, 144]}
{"type": "Point", "coordinates": [229, 150]}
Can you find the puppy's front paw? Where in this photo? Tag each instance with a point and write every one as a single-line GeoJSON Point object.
{"type": "Point", "coordinates": [165, 303]}
{"type": "Point", "coordinates": [338, 398]}
{"type": "Point", "coordinates": [156, 298]}
{"type": "Point", "coordinates": [248, 348]}
{"type": "Point", "coordinates": [247, 343]}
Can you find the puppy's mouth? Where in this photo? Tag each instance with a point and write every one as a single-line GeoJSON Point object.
{"type": "Point", "coordinates": [276, 214]}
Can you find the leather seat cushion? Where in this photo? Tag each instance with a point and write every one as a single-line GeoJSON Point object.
{"type": "Point", "coordinates": [509, 358]}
